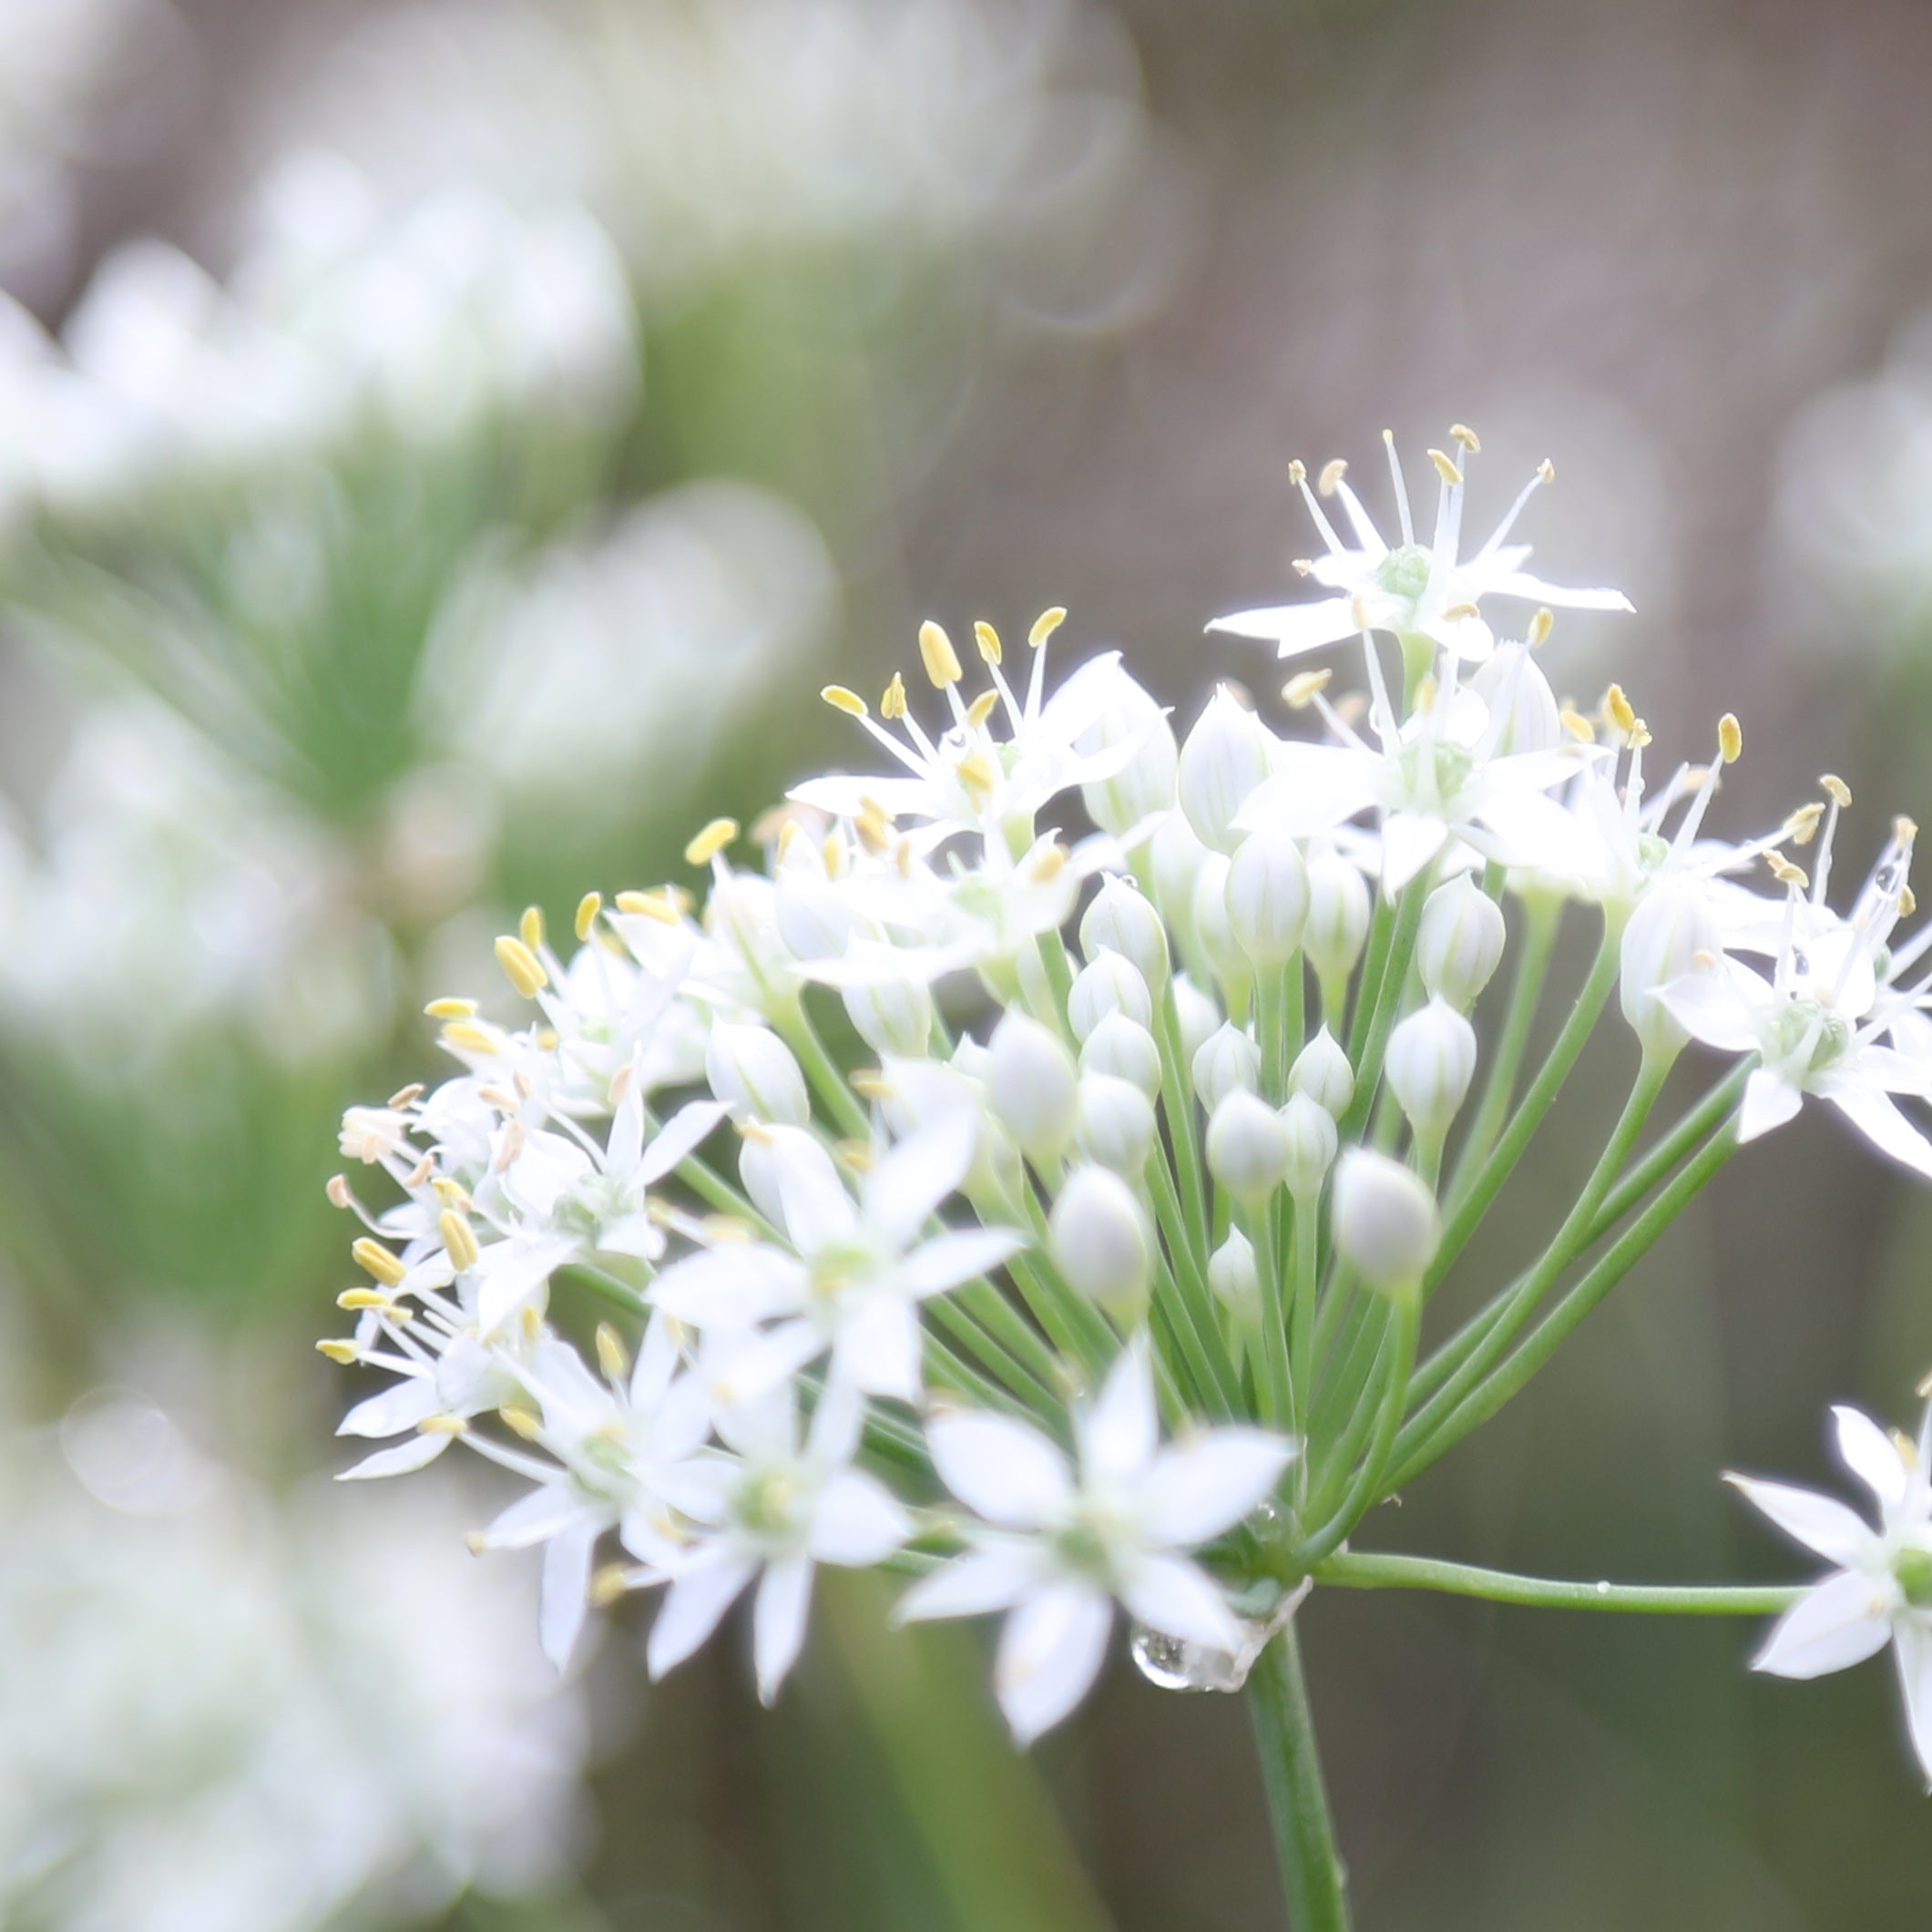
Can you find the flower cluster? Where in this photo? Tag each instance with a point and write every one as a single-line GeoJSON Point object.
{"type": "Point", "coordinates": [1100, 1278]}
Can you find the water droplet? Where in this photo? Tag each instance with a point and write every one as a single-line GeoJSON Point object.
{"type": "Point", "coordinates": [1172, 1663]}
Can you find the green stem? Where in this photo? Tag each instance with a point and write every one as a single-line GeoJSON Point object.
{"type": "Point", "coordinates": [1177, 1103]}
{"type": "Point", "coordinates": [1673, 1146]}
{"type": "Point", "coordinates": [795, 1027]}
{"type": "Point", "coordinates": [1274, 1373]}
{"type": "Point", "coordinates": [1532, 965]}
{"type": "Point", "coordinates": [1362, 1490]}
{"type": "Point", "coordinates": [1193, 1311]}
{"type": "Point", "coordinates": [1464, 1580]}
{"type": "Point", "coordinates": [1489, 1182]}
{"type": "Point", "coordinates": [1312, 1875]}
{"type": "Point", "coordinates": [1388, 1003]}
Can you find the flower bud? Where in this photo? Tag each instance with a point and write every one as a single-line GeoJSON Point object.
{"type": "Point", "coordinates": [1267, 897]}
{"type": "Point", "coordinates": [1385, 1222]}
{"type": "Point", "coordinates": [1120, 920]}
{"type": "Point", "coordinates": [1247, 1148]}
{"type": "Point", "coordinates": [1671, 925]}
{"type": "Point", "coordinates": [1227, 1062]}
{"type": "Point", "coordinates": [893, 1017]}
{"type": "Point", "coordinates": [1144, 785]}
{"type": "Point", "coordinates": [1337, 925]}
{"type": "Point", "coordinates": [1430, 1062]}
{"type": "Point", "coordinates": [1234, 1278]}
{"type": "Point", "coordinates": [1460, 941]}
{"type": "Point", "coordinates": [1199, 1013]}
{"type": "Point", "coordinates": [1322, 1071]}
{"type": "Point", "coordinates": [1313, 1137]}
{"type": "Point", "coordinates": [1108, 983]}
{"type": "Point", "coordinates": [1513, 683]}
{"type": "Point", "coordinates": [751, 1071]}
{"type": "Point", "coordinates": [1120, 1047]}
{"type": "Point", "coordinates": [769, 1163]}
{"type": "Point", "coordinates": [1225, 757]}
{"type": "Point", "coordinates": [1030, 1085]}
{"type": "Point", "coordinates": [1115, 1122]}
{"type": "Point", "coordinates": [1101, 1241]}
{"type": "Point", "coordinates": [1213, 933]}
{"type": "Point", "coordinates": [1175, 856]}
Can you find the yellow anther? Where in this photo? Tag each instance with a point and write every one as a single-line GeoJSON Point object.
{"type": "Point", "coordinates": [1426, 693]}
{"type": "Point", "coordinates": [612, 1356]}
{"type": "Point", "coordinates": [531, 1320]}
{"type": "Point", "coordinates": [1297, 471]}
{"type": "Point", "coordinates": [980, 775]}
{"type": "Point", "coordinates": [1905, 830]}
{"type": "Point", "coordinates": [403, 1096]}
{"type": "Point", "coordinates": [1305, 686]}
{"type": "Point", "coordinates": [420, 1172]}
{"type": "Point", "coordinates": [1444, 467]}
{"type": "Point", "coordinates": [1576, 724]}
{"type": "Point", "coordinates": [530, 927]}
{"type": "Point", "coordinates": [607, 1584]}
{"type": "Point", "coordinates": [1704, 960]}
{"type": "Point", "coordinates": [1540, 626]}
{"type": "Point", "coordinates": [1802, 827]}
{"type": "Point", "coordinates": [451, 1009]}
{"type": "Point", "coordinates": [547, 1038]}
{"type": "Point", "coordinates": [338, 1192]}
{"type": "Point", "coordinates": [1462, 610]}
{"type": "Point", "coordinates": [936, 653]}
{"type": "Point", "coordinates": [1301, 566]}
{"type": "Point", "coordinates": [1617, 710]}
{"type": "Point", "coordinates": [1729, 739]}
{"type": "Point", "coordinates": [658, 905]}
{"type": "Point", "coordinates": [1837, 790]}
{"type": "Point", "coordinates": [1461, 433]}
{"type": "Point", "coordinates": [384, 1264]}
{"type": "Point", "coordinates": [726, 1230]}
{"type": "Point", "coordinates": [870, 1084]}
{"type": "Point", "coordinates": [1048, 864]}
{"type": "Point", "coordinates": [1546, 470]}
{"type": "Point", "coordinates": [525, 1421]}
{"type": "Point", "coordinates": [1907, 901]}
{"type": "Point", "coordinates": [1641, 735]}
{"type": "Point", "coordinates": [874, 832]}
{"type": "Point", "coordinates": [841, 700]}
{"type": "Point", "coordinates": [459, 1242]}
{"type": "Point", "coordinates": [444, 1425]}
{"type": "Point", "coordinates": [1925, 1390]}
{"type": "Point", "coordinates": [587, 908]}
{"type": "Point", "coordinates": [451, 1194]}
{"type": "Point", "coordinates": [1784, 872]}
{"type": "Point", "coordinates": [358, 1300]}
{"type": "Point", "coordinates": [1332, 474]}
{"type": "Point", "coordinates": [981, 709]}
{"type": "Point", "coordinates": [1045, 624]}
{"type": "Point", "coordinates": [831, 855]}
{"type": "Point", "coordinates": [343, 1354]}
{"type": "Point", "coordinates": [988, 639]}
{"type": "Point", "coordinates": [521, 967]}
{"type": "Point", "coordinates": [710, 841]}
{"type": "Point", "coordinates": [892, 703]}
{"type": "Point", "coordinates": [855, 1155]}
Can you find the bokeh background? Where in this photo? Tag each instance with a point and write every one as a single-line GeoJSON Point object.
{"type": "Point", "coordinates": [444, 445]}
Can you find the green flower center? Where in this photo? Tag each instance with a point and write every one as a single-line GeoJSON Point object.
{"type": "Point", "coordinates": [1403, 572]}
{"type": "Point", "coordinates": [1912, 1568]}
{"type": "Point", "coordinates": [766, 1505]}
{"type": "Point", "coordinates": [1813, 1036]}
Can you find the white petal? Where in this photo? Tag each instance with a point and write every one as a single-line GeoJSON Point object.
{"type": "Point", "coordinates": [1895, 1072]}
{"type": "Point", "coordinates": [817, 1212]}
{"type": "Point", "coordinates": [1819, 1522]}
{"type": "Point", "coordinates": [904, 1189]}
{"type": "Point", "coordinates": [1050, 1654]}
{"type": "Point", "coordinates": [858, 1521]}
{"type": "Point", "coordinates": [1293, 627]}
{"type": "Point", "coordinates": [1769, 1102]}
{"type": "Point", "coordinates": [394, 1409]}
{"type": "Point", "coordinates": [969, 1586]}
{"type": "Point", "coordinates": [1409, 841]}
{"type": "Point", "coordinates": [1881, 1123]}
{"type": "Point", "coordinates": [565, 1592]}
{"type": "Point", "coordinates": [681, 1135]}
{"type": "Point", "coordinates": [949, 1259]}
{"type": "Point", "coordinates": [730, 1287]}
{"type": "Point", "coordinates": [1314, 788]}
{"type": "Point", "coordinates": [693, 1607]}
{"type": "Point", "coordinates": [1205, 1483]}
{"type": "Point", "coordinates": [1004, 1470]}
{"type": "Point", "coordinates": [1176, 1597]}
{"type": "Point", "coordinates": [415, 1454]}
{"type": "Point", "coordinates": [534, 1518]}
{"type": "Point", "coordinates": [877, 1349]}
{"type": "Point", "coordinates": [1706, 1006]}
{"type": "Point", "coordinates": [1913, 1638]}
{"type": "Point", "coordinates": [1119, 1435]}
{"type": "Point", "coordinates": [784, 1600]}
{"type": "Point", "coordinates": [1840, 1623]}
{"type": "Point", "coordinates": [1871, 1456]}
{"type": "Point", "coordinates": [1519, 583]}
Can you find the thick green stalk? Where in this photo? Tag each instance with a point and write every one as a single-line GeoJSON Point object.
{"type": "Point", "coordinates": [1350, 1572]}
{"type": "Point", "coordinates": [1313, 1875]}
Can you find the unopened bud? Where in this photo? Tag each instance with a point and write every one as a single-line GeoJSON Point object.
{"type": "Point", "coordinates": [895, 1016]}
{"type": "Point", "coordinates": [1234, 1278]}
{"type": "Point", "coordinates": [1199, 1013]}
{"type": "Point", "coordinates": [1460, 943]}
{"type": "Point", "coordinates": [1101, 1241]}
{"type": "Point", "coordinates": [1385, 1222]}
{"type": "Point", "coordinates": [1322, 1071]}
{"type": "Point", "coordinates": [1115, 1122]}
{"type": "Point", "coordinates": [1338, 911]}
{"type": "Point", "coordinates": [1126, 1050]}
{"type": "Point", "coordinates": [1213, 931]}
{"type": "Point", "coordinates": [1030, 1085]}
{"type": "Point", "coordinates": [1532, 720]}
{"type": "Point", "coordinates": [1247, 1148]}
{"type": "Point", "coordinates": [1144, 785]}
{"type": "Point", "coordinates": [753, 1071]}
{"type": "Point", "coordinates": [1120, 920]}
{"type": "Point", "coordinates": [1312, 1139]}
{"type": "Point", "coordinates": [1227, 1062]}
{"type": "Point", "coordinates": [1671, 925]}
{"type": "Point", "coordinates": [1226, 756]}
{"type": "Point", "coordinates": [1267, 897]}
{"type": "Point", "coordinates": [1108, 983]}
{"type": "Point", "coordinates": [1431, 1061]}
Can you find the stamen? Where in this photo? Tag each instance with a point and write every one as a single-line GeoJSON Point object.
{"type": "Point", "coordinates": [345, 1355]}
{"type": "Point", "coordinates": [1046, 623]}
{"type": "Point", "coordinates": [587, 908]}
{"type": "Point", "coordinates": [1837, 790]}
{"type": "Point", "coordinates": [530, 927]}
{"type": "Point", "coordinates": [451, 1009]}
{"type": "Point", "coordinates": [981, 709]}
{"type": "Point", "coordinates": [1730, 738]}
{"type": "Point", "coordinates": [710, 841]}
{"type": "Point", "coordinates": [612, 1356]}
{"type": "Point", "coordinates": [1540, 626]}
{"type": "Point", "coordinates": [459, 1242]}
{"type": "Point", "coordinates": [841, 700]}
{"type": "Point", "coordinates": [659, 905]}
{"type": "Point", "coordinates": [1333, 472]}
{"type": "Point", "coordinates": [1461, 433]}
{"type": "Point", "coordinates": [1619, 713]}
{"type": "Point", "coordinates": [892, 706]}
{"type": "Point", "coordinates": [520, 967]}
{"type": "Point", "coordinates": [936, 653]}
{"type": "Point", "coordinates": [988, 639]}
{"type": "Point", "coordinates": [1446, 468]}
{"type": "Point", "coordinates": [1303, 690]}
{"type": "Point", "coordinates": [525, 1421]}
{"type": "Point", "coordinates": [384, 1264]}
{"type": "Point", "coordinates": [1402, 491]}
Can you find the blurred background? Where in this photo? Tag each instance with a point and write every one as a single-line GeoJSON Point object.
{"type": "Point", "coordinates": [443, 445]}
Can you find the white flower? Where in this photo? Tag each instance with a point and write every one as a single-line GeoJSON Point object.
{"type": "Point", "coordinates": [1059, 1545]}
{"type": "Point", "coordinates": [1416, 589]}
{"type": "Point", "coordinates": [772, 1509]}
{"type": "Point", "coordinates": [1880, 1589]}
